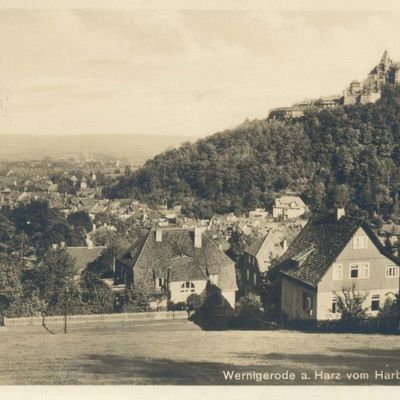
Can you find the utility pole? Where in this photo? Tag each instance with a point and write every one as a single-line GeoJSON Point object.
{"type": "Point", "coordinates": [66, 309]}
{"type": "Point", "coordinates": [22, 245]}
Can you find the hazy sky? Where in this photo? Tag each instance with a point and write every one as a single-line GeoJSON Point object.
{"type": "Point", "coordinates": [176, 72]}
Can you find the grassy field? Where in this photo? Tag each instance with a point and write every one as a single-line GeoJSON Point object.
{"type": "Point", "coordinates": [179, 352]}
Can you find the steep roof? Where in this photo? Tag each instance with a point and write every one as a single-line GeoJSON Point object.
{"type": "Point", "coordinates": [176, 252]}
{"type": "Point", "coordinates": [256, 246]}
{"type": "Point", "coordinates": [84, 255]}
{"type": "Point", "coordinates": [319, 244]}
{"type": "Point", "coordinates": [289, 201]}
{"type": "Point", "coordinates": [130, 257]}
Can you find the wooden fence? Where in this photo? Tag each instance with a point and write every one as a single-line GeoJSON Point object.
{"type": "Point", "coordinates": [99, 318]}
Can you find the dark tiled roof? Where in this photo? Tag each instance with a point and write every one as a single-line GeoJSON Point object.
{"type": "Point", "coordinates": [184, 269]}
{"type": "Point", "coordinates": [176, 252]}
{"type": "Point", "coordinates": [84, 255]}
{"type": "Point", "coordinates": [319, 244]}
{"type": "Point", "coordinates": [130, 257]}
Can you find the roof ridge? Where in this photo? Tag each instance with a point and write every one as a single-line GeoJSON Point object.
{"type": "Point", "coordinates": [143, 246]}
{"type": "Point", "coordinates": [222, 252]}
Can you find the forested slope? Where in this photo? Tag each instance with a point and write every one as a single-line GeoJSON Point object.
{"type": "Point", "coordinates": [346, 156]}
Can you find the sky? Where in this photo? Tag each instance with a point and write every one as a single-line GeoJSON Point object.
{"type": "Point", "coordinates": [177, 72]}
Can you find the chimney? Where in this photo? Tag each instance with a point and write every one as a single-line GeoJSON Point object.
{"type": "Point", "coordinates": [340, 213]}
{"type": "Point", "coordinates": [54, 246]}
{"type": "Point", "coordinates": [62, 245]}
{"type": "Point", "coordinates": [158, 235]}
{"type": "Point", "coordinates": [284, 245]}
{"type": "Point", "coordinates": [198, 237]}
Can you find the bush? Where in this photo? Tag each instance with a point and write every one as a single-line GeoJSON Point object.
{"type": "Point", "coordinates": [133, 300]}
{"type": "Point", "coordinates": [176, 306]}
{"type": "Point", "coordinates": [350, 304]}
{"type": "Point", "coordinates": [249, 313]}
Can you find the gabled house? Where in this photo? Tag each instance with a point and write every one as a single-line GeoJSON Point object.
{"type": "Point", "coordinates": [257, 258]}
{"type": "Point", "coordinates": [178, 262]}
{"type": "Point", "coordinates": [332, 254]}
{"type": "Point", "coordinates": [288, 207]}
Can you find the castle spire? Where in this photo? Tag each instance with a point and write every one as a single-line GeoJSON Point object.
{"type": "Point", "coordinates": [385, 58]}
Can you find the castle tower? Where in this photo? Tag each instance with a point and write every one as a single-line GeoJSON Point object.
{"type": "Point", "coordinates": [385, 60]}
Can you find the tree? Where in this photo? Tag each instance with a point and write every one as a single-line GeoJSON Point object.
{"type": "Point", "coordinates": [350, 304]}
{"type": "Point", "coordinates": [96, 296]}
{"type": "Point", "coordinates": [238, 242]}
{"type": "Point", "coordinates": [54, 279]}
{"type": "Point", "coordinates": [10, 287]}
{"type": "Point", "coordinates": [80, 219]}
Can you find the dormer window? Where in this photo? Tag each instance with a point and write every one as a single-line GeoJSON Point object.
{"type": "Point", "coordinates": [360, 242]}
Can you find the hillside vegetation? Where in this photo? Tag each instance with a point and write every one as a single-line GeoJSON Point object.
{"type": "Point", "coordinates": [346, 156]}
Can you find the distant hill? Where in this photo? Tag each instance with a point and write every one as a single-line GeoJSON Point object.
{"type": "Point", "coordinates": [136, 148]}
{"type": "Point", "coordinates": [344, 156]}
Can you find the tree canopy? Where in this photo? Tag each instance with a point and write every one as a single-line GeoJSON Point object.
{"type": "Point", "coordinates": [345, 156]}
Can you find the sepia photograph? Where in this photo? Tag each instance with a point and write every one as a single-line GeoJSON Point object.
{"type": "Point", "coordinates": [199, 194]}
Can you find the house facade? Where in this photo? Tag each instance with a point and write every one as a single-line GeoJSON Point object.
{"type": "Point", "coordinates": [288, 207]}
{"type": "Point", "coordinates": [257, 258]}
{"type": "Point", "coordinates": [178, 262]}
{"type": "Point", "coordinates": [331, 255]}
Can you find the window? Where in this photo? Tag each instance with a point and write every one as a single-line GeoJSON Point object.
{"type": "Point", "coordinates": [307, 302]}
{"type": "Point", "coordinates": [337, 272]}
{"type": "Point", "coordinates": [359, 270]}
{"type": "Point", "coordinates": [248, 275]}
{"type": "Point", "coordinates": [159, 282]}
{"type": "Point", "coordinates": [375, 303]}
{"type": "Point", "coordinates": [359, 242]}
{"type": "Point", "coordinates": [392, 271]}
{"type": "Point", "coordinates": [334, 305]}
{"type": "Point", "coordinates": [255, 279]}
{"type": "Point", "coordinates": [187, 287]}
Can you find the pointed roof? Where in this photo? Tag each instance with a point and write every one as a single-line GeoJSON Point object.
{"type": "Point", "coordinates": [319, 244]}
{"type": "Point", "coordinates": [289, 201]}
{"type": "Point", "coordinates": [256, 246]}
{"type": "Point", "coordinates": [176, 252]}
{"type": "Point", "coordinates": [385, 58]}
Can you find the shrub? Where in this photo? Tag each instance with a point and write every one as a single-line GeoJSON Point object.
{"type": "Point", "coordinates": [350, 304]}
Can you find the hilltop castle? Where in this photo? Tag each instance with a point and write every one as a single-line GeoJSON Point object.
{"type": "Point", "coordinates": [367, 91]}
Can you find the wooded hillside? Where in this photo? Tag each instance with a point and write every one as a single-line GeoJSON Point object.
{"type": "Point", "coordinates": [346, 156]}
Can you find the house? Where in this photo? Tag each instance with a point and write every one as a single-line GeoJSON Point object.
{"type": "Point", "coordinates": [288, 207]}
{"type": "Point", "coordinates": [84, 255]}
{"type": "Point", "coordinates": [177, 261]}
{"type": "Point", "coordinates": [257, 258]}
{"type": "Point", "coordinates": [258, 213]}
{"type": "Point", "coordinates": [331, 254]}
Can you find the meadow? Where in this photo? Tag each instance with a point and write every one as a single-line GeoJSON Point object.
{"type": "Point", "coordinates": [179, 352]}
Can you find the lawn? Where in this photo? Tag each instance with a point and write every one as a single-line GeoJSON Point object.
{"type": "Point", "coordinates": [179, 352]}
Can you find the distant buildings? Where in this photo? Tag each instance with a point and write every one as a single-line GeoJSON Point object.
{"type": "Point", "coordinates": [367, 91]}
{"type": "Point", "coordinates": [288, 207]}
